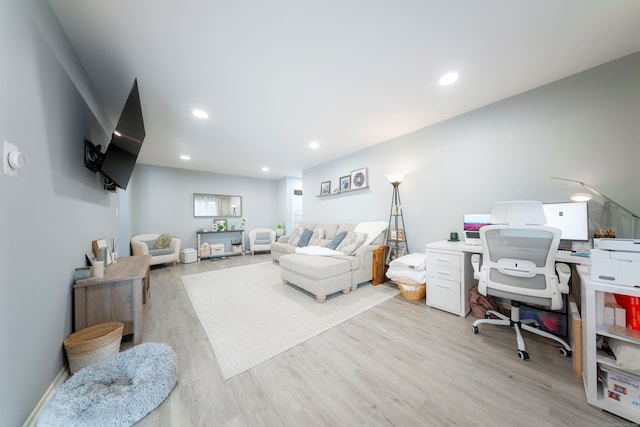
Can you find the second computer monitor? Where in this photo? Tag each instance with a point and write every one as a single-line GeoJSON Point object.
{"type": "Point", "coordinates": [571, 218]}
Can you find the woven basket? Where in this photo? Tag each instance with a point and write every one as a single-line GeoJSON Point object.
{"type": "Point", "coordinates": [93, 344]}
{"type": "Point", "coordinates": [412, 291]}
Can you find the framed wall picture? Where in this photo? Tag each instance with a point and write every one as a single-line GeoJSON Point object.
{"type": "Point", "coordinates": [325, 188]}
{"type": "Point", "coordinates": [359, 179]}
{"type": "Point", "coordinates": [345, 183]}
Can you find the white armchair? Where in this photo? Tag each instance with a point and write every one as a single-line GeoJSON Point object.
{"type": "Point", "coordinates": [260, 239]}
{"type": "Point", "coordinates": [144, 244]}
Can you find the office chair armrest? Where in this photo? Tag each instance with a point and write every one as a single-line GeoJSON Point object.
{"type": "Point", "coordinates": [475, 263]}
{"type": "Point", "coordinates": [564, 273]}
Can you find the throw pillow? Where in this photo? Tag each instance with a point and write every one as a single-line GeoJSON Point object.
{"type": "Point", "coordinates": [304, 238]}
{"type": "Point", "coordinates": [163, 241]}
{"type": "Point", "coordinates": [151, 244]}
{"type": "Point", "coordinates": [318, 234]}
{"type": "Point", "coordinates": [294, 238]}
{"type": "Point", "coordinates": [336, 240]}
{"type": "Point", "coordinates": [371, 229]}
{"type": "Point", "coordinates": [351, 242]}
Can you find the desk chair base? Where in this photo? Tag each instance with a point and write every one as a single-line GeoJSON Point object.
{"type": "Point", "coordinates": [518, 325]}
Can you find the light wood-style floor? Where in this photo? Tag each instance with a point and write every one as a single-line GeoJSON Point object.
{"type": "Point", "coordinates": [398, 364]}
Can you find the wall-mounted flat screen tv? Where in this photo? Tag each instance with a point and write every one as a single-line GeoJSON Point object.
{"type": "Point", "coordinates": [126, 141]}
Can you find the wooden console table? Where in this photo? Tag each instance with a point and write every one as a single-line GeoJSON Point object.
{"type": "Point", "coordinates": [119, 296]}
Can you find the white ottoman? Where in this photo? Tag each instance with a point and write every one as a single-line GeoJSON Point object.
{"type": "Point", "coordinates": [319, 275]}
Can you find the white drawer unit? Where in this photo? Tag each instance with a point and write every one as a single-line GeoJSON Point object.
{"type": "Point", "coordinates": [449, 279]}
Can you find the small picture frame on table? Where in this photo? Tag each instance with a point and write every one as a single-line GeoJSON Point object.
{"type": "Point", "coordinates": [99, 244]}
{"type": "Point", "coordinates": [220, 222]}
{"type": "Point", "coordinates": [325, 188]}
{"type": "Point", "coordinates": [345, 183]}
{"type": "Point", "coordinates": [396, 235]}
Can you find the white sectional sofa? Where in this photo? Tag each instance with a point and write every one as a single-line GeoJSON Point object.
{"type": "Point", "coordinates": [323, 275]}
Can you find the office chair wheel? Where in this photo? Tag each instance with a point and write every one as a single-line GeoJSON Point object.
{"type": "Point", "coordinates": [523, 355]}
{"type": "Point", "coordinates": [475, 330]}
{"type": "Point", "coordinates": [563, 351]}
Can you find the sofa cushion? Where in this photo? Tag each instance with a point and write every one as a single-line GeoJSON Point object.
{"type": "Point", "coordinates": [318, 267]}
{"type": "Point", "coordinates": [330, 230]}
{"type": "Point", "coordinates": [163, 241]}
{"type": "Point", "coordinates": [294, 238]}
{"type": "Point", "coordinates": [316, 237]}
{"type": "Point", "coordinates": [304, 238]}
{"type": "Point", "coordinates": [151, 244]}
{"type": "Point", "coordinates": [262, 238]}
{"type": "Point", "coordinates": [157, 252]}
{"type": "Point", "coordinates": [336, 240]}
{"type": "Point", "coordinates": [284, 248]}
{"type": "Point", "coordinates": [351, 242]}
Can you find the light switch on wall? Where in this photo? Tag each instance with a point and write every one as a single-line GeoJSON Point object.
{"type": "Point", "coordinates": [12, 160]}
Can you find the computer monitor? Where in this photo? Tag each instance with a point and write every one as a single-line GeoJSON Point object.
{"type": "Point", "coordinates": [472, 223]}
{"type": "Point", "coordinates": [571, 218]}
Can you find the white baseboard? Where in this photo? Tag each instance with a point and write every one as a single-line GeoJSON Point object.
{"type": "Point", "coordinates": [62, 376]}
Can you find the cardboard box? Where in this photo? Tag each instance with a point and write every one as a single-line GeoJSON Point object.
{"type": "Point", "coordinates": [622, 387]}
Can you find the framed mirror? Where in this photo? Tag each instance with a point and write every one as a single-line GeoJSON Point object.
{"type": "Point", "coordinates": [210, 205]}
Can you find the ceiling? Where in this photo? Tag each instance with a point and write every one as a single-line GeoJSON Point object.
{"type": "Point", "coordinates": [276, 75]}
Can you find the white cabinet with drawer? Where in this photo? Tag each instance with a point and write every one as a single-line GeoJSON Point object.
{"type": "Point", "coordinates": [449, 278]}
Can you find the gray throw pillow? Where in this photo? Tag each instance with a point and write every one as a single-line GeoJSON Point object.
{"type": "Point", "coordinates": [151, 244]}
{"type": "Point", "coordinates": [351, 242]}
{"type": "Point", "coordinates": [304, 238]}
{"type": "Point", "coordinates": [336, 240]}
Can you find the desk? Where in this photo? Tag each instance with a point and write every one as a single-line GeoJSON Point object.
{"type": "Point", "coordinates": [119, 296]}
{"type": "Point", "coordinates": [450, 274]}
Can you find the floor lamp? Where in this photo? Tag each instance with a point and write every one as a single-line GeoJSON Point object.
{"type": "Point", "coordinates": [396, 219]}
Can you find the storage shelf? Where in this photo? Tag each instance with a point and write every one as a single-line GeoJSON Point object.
{"type": "Point", "coordinates": [625, 334]}
{"type": "Point", "coordinates": [338, 193]}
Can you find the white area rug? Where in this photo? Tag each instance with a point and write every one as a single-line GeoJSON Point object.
{"type": "Point", "coordinates": [250, 316]}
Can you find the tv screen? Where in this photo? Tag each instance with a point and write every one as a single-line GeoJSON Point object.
{"type": "Point", "coordinates": [126, 141]}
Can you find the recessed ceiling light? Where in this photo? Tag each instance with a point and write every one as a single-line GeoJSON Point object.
{"type": "Point", "coordinates": [185, 157]}
{"type": "Point", "coordinates": [314, 145]}
{"type": "Point", "coordinates": [265, 169]}
{"type": "Point", "coordinates": [200, 114]}
{"type": "Point", "coordinates": [448, 78]}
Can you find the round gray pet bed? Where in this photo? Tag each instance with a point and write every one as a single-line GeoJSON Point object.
{"type": "Point", "coordinates": [118, 391]}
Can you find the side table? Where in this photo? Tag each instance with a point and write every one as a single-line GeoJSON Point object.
{"type": "Point", "coordinates": [119, 296]}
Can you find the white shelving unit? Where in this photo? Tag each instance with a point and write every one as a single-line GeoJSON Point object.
{"type": "Point", "coordinates": [592, 303]}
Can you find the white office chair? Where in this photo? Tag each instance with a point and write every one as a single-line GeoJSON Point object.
{"type": "Point", "coordinates": [518, 258]}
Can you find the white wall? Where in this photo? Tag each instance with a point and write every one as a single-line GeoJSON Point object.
{"type": "Point", "coordinates": [585, 127]}
{"type": "Point", "coordinates": [162, 201]}
{"type": "Point", "coordinates": [52, 212]}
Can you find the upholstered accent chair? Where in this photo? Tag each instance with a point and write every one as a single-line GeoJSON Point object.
{"type": "Point", "coordinates": [147, 244]}
{"type": "Point", "coordinates": [260, 239]}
